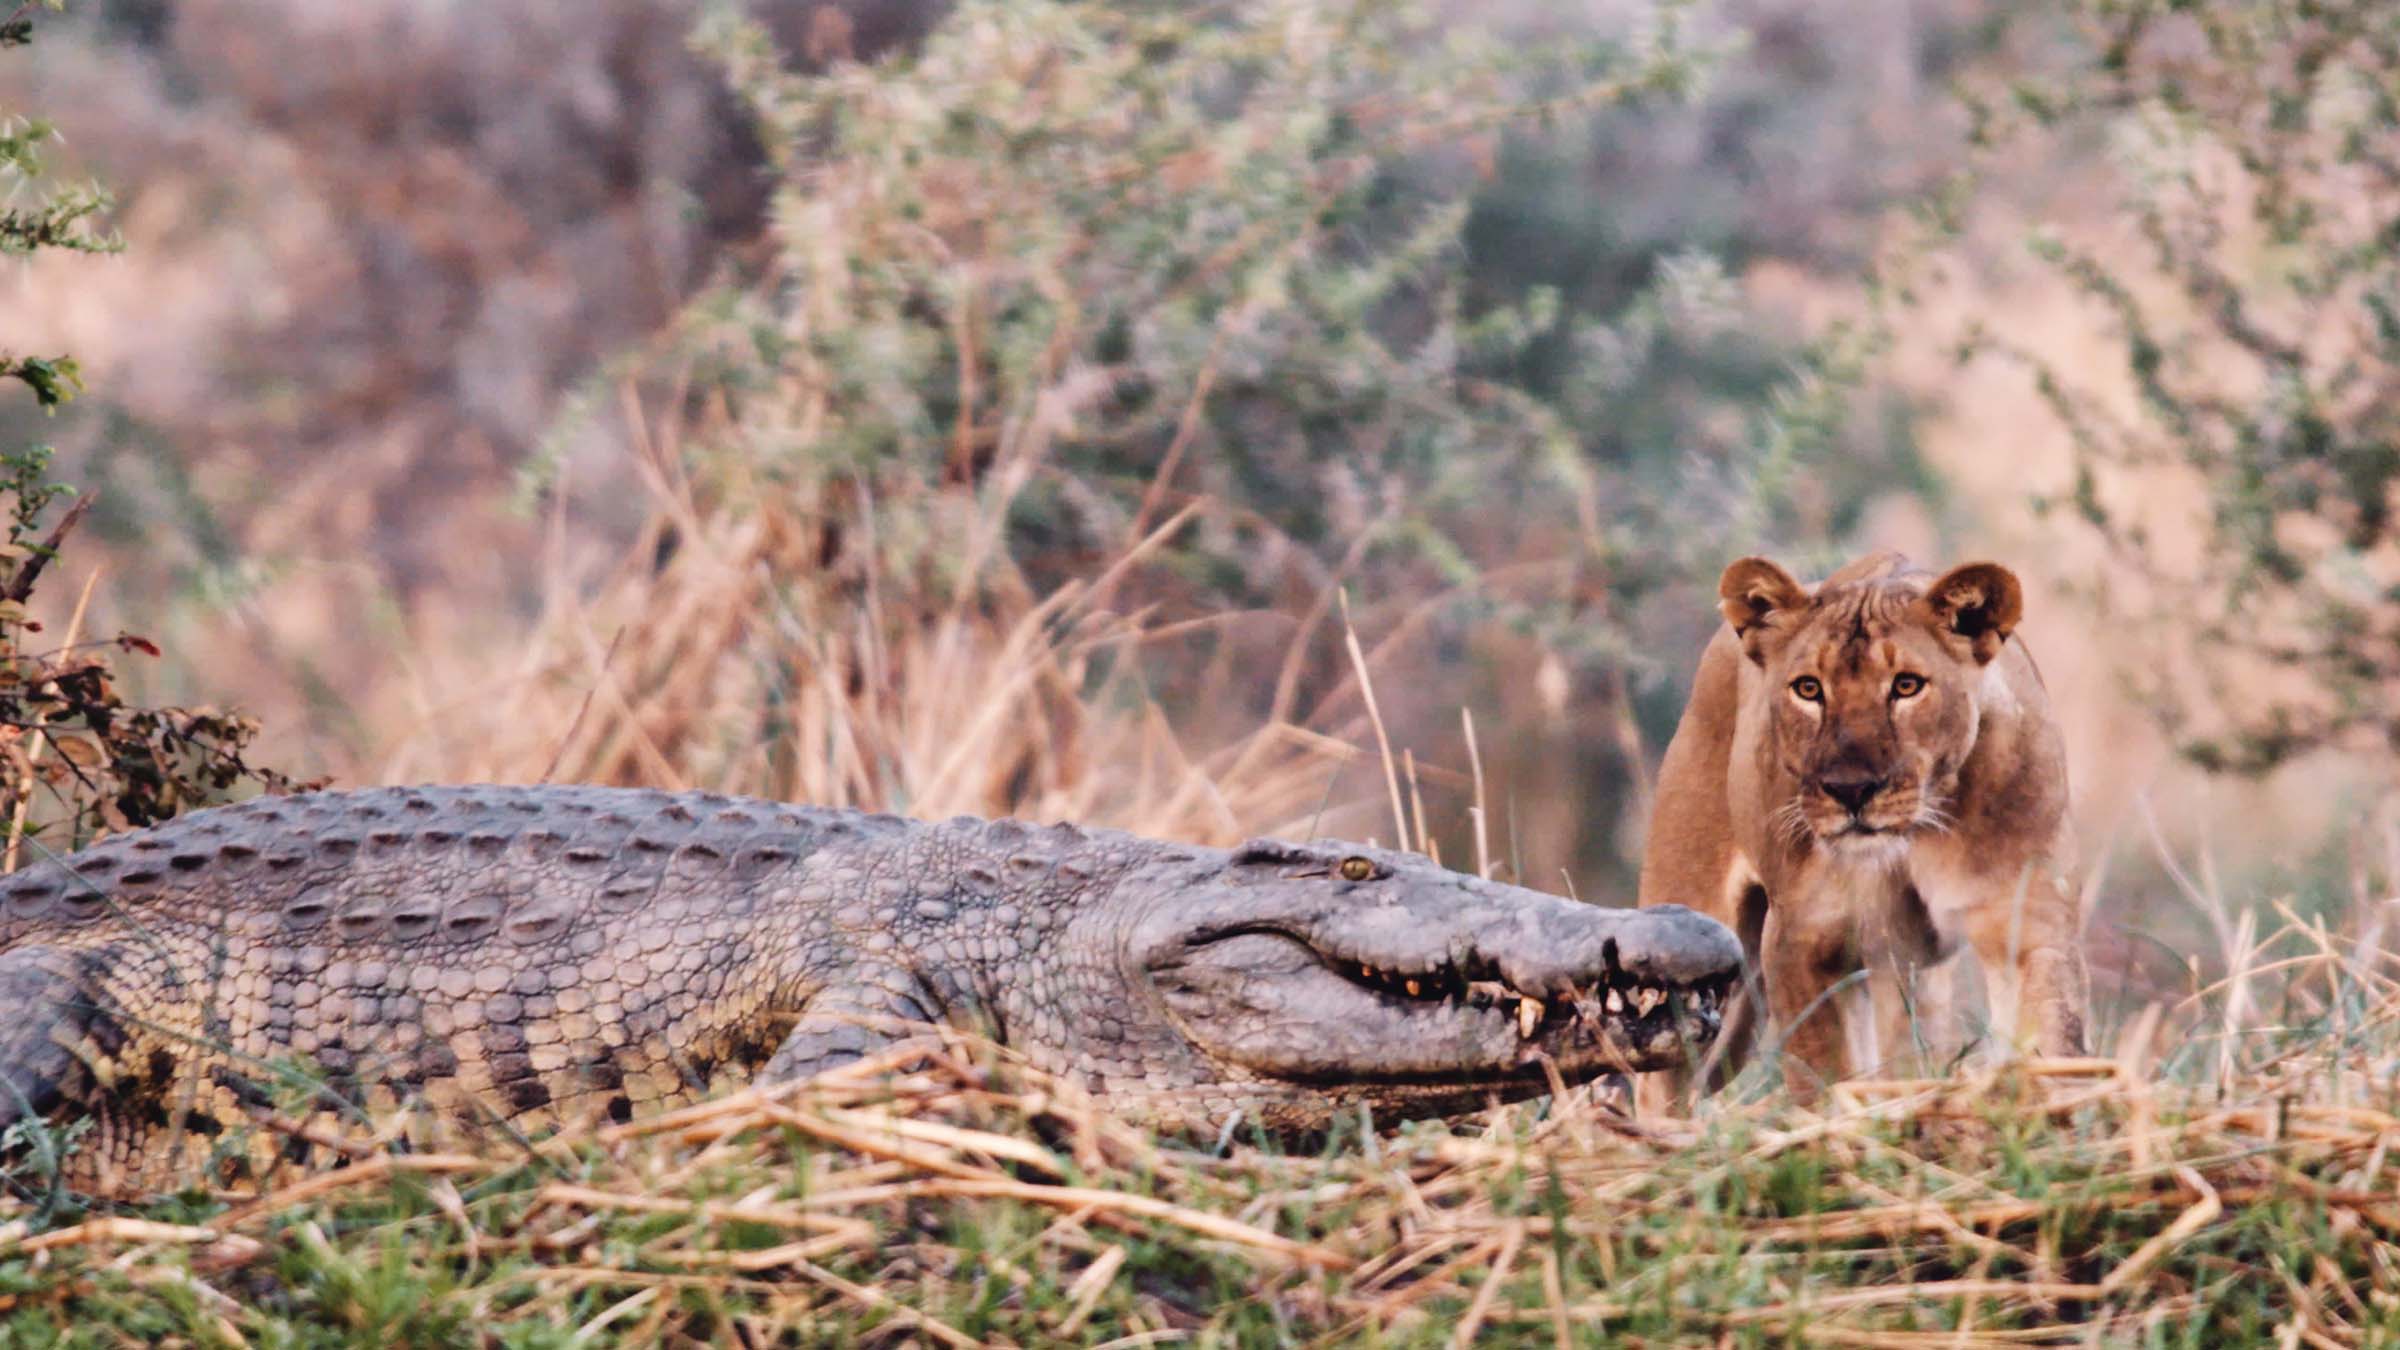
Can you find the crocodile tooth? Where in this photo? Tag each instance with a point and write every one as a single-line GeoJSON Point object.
{"type": "Point", "coordinates": [1616, 1001]}
{"type": "Point", "coordinates": [1646, 998]}
{"type": "Point", "coordinates": [1415, 989]}
{"type": "Point", "coordinates": [1529, 1016]}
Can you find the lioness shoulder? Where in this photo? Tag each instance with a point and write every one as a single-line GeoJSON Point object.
{"type": "Point", "coordinates": [1867, 781]}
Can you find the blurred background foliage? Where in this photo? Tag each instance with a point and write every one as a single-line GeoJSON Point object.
{"type": "Point", "coordinates": [1069, 273]}
{"type": "Point", "coordinates": [76, 759]}
{"type": "Point", "coordinates": [1006, 406]}
{"type": "Point", "coordinates": [2246, 488]}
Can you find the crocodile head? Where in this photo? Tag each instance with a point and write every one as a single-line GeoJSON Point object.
{"type": "Point", "coordinates": [1286, 983]}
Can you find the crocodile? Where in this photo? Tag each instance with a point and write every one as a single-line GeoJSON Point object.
{"type": "Point", "coordinates": [544, 955]}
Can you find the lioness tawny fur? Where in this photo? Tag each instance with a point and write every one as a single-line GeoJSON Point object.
{"type": "Point", "coordinates": [1867, 781]}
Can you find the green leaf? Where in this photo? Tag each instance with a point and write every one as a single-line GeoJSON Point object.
{"type": "Point", "coordinates": [53, 379]}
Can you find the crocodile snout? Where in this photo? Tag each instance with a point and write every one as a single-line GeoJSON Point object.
{"type": "Point", "coordinates": [1425, 990]}
{"type": "Point", "coordinates": [1561, 946]}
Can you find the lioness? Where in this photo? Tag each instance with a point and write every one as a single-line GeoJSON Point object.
{"type": "Point", "coordinates": [1868, 778]}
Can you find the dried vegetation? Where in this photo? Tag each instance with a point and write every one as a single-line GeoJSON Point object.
{"type": "Point", "coordinates": [941, 1195]}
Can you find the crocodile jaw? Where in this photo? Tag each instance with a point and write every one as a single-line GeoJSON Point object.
{"type": "Point", "coordinates": [1281, 1008]}
{"type": "Point", "coordinates": [1424, 991]}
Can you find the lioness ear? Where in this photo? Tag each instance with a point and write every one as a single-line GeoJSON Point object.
{"type": "Point", "coordinates": [1752, 594]}
{"type": "Point", "coordinates": [1980, 602]}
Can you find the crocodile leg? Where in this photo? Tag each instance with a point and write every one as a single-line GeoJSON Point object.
{"type": "Point", "coordinates": [50, 1034]}
{"type": "Point", "coordinates": [847, 1022]}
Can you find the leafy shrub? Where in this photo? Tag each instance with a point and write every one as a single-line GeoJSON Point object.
{"type": "Point", "coordinates": [2247, 488]}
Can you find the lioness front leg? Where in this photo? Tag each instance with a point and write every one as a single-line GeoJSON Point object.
{"type": "Point", "coordinates": [1802, 962]}
{"type": "Point", "coordinates": [2027, 932]}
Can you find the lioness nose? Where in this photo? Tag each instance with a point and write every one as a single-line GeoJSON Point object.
{"type": "Point", "coordinates": [1853, 790]}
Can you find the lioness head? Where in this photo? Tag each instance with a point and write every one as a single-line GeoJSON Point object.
{"type": "Point", "coordinates": [1873, 688]}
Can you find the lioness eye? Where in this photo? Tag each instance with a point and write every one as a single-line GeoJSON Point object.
{"type": "Point", "coordinates": [1808, 688]}
{"type": "Point", "coordinates": [1356, 869]}
{"type": "Point", "coordinates": [1907, 686]}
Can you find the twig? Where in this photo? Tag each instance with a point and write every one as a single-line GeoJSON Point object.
{"type": "Point", "coordinates": [876, 1298]}
{"type": "Point", "coordinates": [33, 755]}
{"type": "Point", "coordinates": [21, 585]}
{"type": "Point", "coordinates": [1198, 1221]}
{"type": "Point", "coordinates": [1366, 689]}
{"type": "Point", "coordinates": [1481, 1308]}
{"type": "Point", "coordinates": [115, 1229]}
{"type": "Point", "coordinates": [356, 1174]}
{"type": "Point", "coordinates": [583, 708]}
{"type": "Point", "coordinates": [1480, 812]}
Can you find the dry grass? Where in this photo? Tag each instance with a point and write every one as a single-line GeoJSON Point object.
{"type": "Point", "coordinates": [942, 1195]}
{"type": "Point", "coordinates": [725, 653]}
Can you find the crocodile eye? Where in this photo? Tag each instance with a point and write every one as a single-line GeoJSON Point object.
{"type": "Point", "coordinates": [1809, 688]}
{"type": "Point", "coordinates": [1356, 869]}
{"type": "Point", "coordinates": [1907, 685]}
